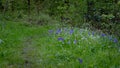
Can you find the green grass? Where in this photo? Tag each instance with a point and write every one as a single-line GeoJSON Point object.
{"type": "Point", "coordinates": [25, 46]}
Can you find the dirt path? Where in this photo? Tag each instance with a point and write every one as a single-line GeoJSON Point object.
{"type": "Point", "coordinates": [30, 54]}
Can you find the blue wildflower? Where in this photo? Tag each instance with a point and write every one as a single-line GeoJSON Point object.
{"type": "Point", "coordinates": [115, 40]}
{"type": "Point", "coordinates": [50, 31]}
{"type": "Point", "coordinates": [71, 31]}
{"type": "Point", "coordinates": [103, 35]}
{"type": "Point", "coordinates": [60, 39]}
{"type": "Point", "coordinates": [93, 33]}
{"type": "Point", "coordinates": [80, 60]}
{"type": "Point", "coordinates": [58, 31]}
{"type": "Point", "coordinates": [75, 41]}
{"type": "Point", "coordinates": [89, 33]}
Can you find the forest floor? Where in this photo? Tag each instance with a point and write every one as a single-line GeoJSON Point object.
{"type": "Point", "coordinates": [29, 53]}
{"type": "Point", "coordinates": [24, 46]}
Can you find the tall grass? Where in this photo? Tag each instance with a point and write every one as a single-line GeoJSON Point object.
{"type": "Point", "coordinates": [74, 47]}
{"type": "Point", "coordinates": [58, 47]}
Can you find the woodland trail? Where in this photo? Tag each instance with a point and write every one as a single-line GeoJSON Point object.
{"type": "Point", "coordinates": [30, 54]}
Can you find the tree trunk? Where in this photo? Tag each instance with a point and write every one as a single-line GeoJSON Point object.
{"type": "Point", "coordinates": [5, 7]}
{"type": "Point", "coordinates": [29, 7]}
{"type": "Point", "coordinates": [1, 6]}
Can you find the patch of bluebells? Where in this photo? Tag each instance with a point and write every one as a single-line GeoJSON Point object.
{"type": "Point", "coordinates": [75, 41]}
{"type": "Point", "coordinates": [93, 33]}
{"type": "Point", "coordinates": [115, 40]}
{"type": "Point", "coordinates": [103, 35]}
{"type": "Point", "coordinates": [71, 31]}
{"type": "Point", "coordinates": [58, 31]}
{"type": "Point", "coordinates": [60, 39]}
{"type": "Point", "coordinates": [50, 31]}
{"type": "Point", "coordinates": [80, 60]}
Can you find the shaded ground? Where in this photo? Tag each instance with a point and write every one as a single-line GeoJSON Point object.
{"type": "Point", "coordinates": [28, 56]}
{"type": "Point", "coordinates": [33, 47]}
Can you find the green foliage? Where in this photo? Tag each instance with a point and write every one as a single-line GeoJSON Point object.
{"type": "Point", "coordinates": [109, 17]}
{"type": "Point", "coordinates": [80, 47]}
{"type": "Point", "coordinates": [67, 47]}
{"type": "Point", "coordinates": [104, 15]}
{"type": "Point", "coordinates": [68, 9]}
{"type": "Point", "coordinates": [118, 3]}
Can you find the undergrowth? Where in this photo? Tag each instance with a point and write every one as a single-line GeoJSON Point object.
{"type": "Point", "coordinates": [58, 47]}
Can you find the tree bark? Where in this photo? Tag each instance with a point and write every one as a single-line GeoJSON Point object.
{"type": "Point", "coordinates": [29, 7]}
{"type": "Point", "coordinates": [5, 7]}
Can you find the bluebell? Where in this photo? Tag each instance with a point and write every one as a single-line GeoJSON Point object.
{"type": "Point", "coordinates": [115, 40]}
{"type": "Point", "coordinates": [60, 39]}
{"type": "Point", "coordinates": [75, 41]}
{"type": "Point", "coordinates": [50, 31]}
{"type": "Point", "coordinates": [71, 31]}
{"type": "Point", "coordinates": [93, 33]}
{"type": "Point", "coordinates": [103, 35]}
{"type": "Point", "coordinates": [80, 60]}
{"type": "Point", "coordinates": [58, 31]}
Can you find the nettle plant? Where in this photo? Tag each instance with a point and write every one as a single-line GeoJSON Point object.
{"type": "Point", "coordinates": [81, 37]}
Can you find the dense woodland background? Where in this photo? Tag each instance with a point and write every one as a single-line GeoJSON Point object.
{"type": "Point", "coordinates": [101, 14]}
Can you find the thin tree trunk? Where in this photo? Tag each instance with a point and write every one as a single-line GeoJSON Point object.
{"type": "Point", "coordinates": [29, 7]}
{"type": "Point", "coordinates": [5, 7]}
{"type": "Point", "coordinates": [12, 6]}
